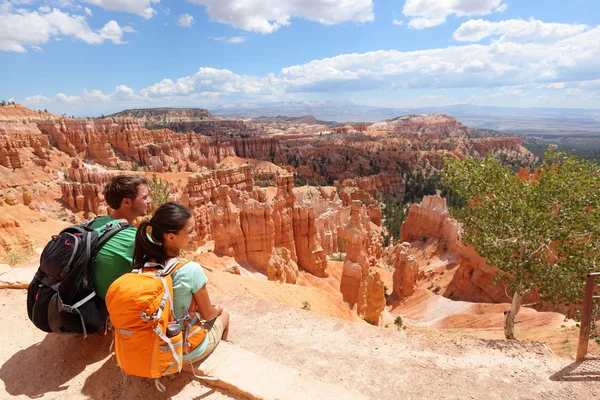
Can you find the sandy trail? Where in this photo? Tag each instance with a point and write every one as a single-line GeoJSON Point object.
{"type": "Point", "coordinates": [377, 362]}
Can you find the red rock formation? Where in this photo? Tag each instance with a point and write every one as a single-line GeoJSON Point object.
{"type": "Point", "coordinates": [227, 232]}
{"type": "Point", "coordinates": [436, 124]}
{"type": "Point", "coordinates": [430, 219]}
{"type": "Point", "coordinates": [473, 279]}
{"type": "Point", "coordinates": [356, 266]}
{"type": "Point", "coordinates": [405, 272]}
{"type": "Point", "coordinates": [11, 235]}
{"type": "Point", "coordinates": [83, 189]}
{"type": "Point", "coordinates": [283, 214]}
{"type": "Point", "coordinates": [311, 256]}
{"type": "Point", "coordinates": [20, 142]}
{"type": "Point", "coordinates": [200, 194]}
{"type": "Point", "coordinates": [382, 185]}
{"type": "Point", "coordinates": [328, 229]}
{"type": "Point", "coordinates": [258, 148]}
{"type": "Point", "coordinates": [281, 267]}
{"type": "Point", "coordinates": [102, 139]}
{"type": "Point", "coordinates": [257, 226]}
{"type": "Point", "coordinates": [371, 298]}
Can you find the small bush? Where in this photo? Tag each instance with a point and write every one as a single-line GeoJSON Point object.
{"type": "Point", "coordinates": [306, 305]}
{"type": "Point", "coordinates": [159, 192]}
{"type": "Point", "coordinates": [398, 322]}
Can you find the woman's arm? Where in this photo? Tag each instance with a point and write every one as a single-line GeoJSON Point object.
{"type": "Point", "coordinates": [208, 312]}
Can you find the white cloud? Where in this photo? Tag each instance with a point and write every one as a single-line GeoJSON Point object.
{"type": "Point", "coordinates": [397, 22]}
{"type": "Point", "coordinates": [121, 94]}
{"type": "Point", "coordinates": [36, 100]}
{"type": "Point", "coordinates": [129, 29]}
{"type": "Point", "coordinates": [20, 28]}
{"type": "Point", "coordinates": [514, 69]}
{"type": "Point", "coordinates": [217, 81]}
{"type": "Point", "coordinates": [143, 8]}
{"type": "Point", "coordinates": [428, 13]}
{"type": "Point", "coordinates": [502, 8]}
{"type": "Point", "coordinates": [516, 30]}
{"type": "Point", "coordinates": [87, 11]}
{"type": "Point", "coordinates": [267, 16]}
{"type": "Point", "coordinates": [185, 20]}
{"type": "Point", "coordinates": [231, 40]}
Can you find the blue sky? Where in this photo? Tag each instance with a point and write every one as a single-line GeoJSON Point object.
{"type": "Point", "coordinates": [100, 56]}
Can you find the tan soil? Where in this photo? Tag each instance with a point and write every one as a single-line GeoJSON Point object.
{"type": "Point", "coordinates": [377, 362]}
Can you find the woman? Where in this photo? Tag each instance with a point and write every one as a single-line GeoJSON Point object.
{"type": "Point", "coordinates": [160, 240]}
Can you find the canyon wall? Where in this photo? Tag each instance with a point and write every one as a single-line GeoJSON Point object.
{"type": "Point", "coordinates": [473, 279]}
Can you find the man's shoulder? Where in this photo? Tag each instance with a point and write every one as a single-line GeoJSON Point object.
{"type": "Point", "coordinates": [100, 222]}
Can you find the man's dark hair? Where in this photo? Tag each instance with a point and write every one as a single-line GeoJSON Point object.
{"type": "Point", "coordinates": [122, 187]}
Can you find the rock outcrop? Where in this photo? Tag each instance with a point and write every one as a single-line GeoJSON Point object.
{"type": "Point", "coordinates": [161, 149]}
{"type": "Point", "coordinates": [405, 272]}
{"type": "Point", "coordinates": [227, 232]}
{"type": "Point", "coordinates": [283, 214]}
{"type": "Point", "coordinates": [11, 235]}
{"type": "Point", "coordinates": [311, 256]}
{"type": "Point", "coordinates": [83, 186]}
{"type": "Point", "coordinates": [473, 279]}
{"type": "Point", "coordinates": [281, 266]}
{"type": "Point", "coordinates": [20, 143]}
{"type": "Point", "coordinates": [376, 186]}
{"type": "Point", "coordinates": [371, 298]}
{"type": "Point", "coordinates": [356, 266]}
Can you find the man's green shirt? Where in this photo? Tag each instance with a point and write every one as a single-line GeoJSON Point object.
{"type": "Point", "coordinates": [114, 258]}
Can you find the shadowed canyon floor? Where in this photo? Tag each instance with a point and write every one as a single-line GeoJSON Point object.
{"type": "Point", "coordinates": [358, 358]}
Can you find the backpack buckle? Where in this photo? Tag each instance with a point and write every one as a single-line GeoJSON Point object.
{"type": "Point", "coordinates": [145, 316]}
{"type": "Point", "coordinates": [107, 227]}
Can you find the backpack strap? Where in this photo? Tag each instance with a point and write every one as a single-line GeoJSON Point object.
{"type": "Point", "coordinates": [107, 233]}
{"type": "Point", "coordinates": [172, 266]}
{"type": "Point", "coordinates": [89, 223]}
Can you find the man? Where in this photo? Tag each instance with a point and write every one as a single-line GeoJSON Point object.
{"type": "Point", "coordinates": [127, 196]}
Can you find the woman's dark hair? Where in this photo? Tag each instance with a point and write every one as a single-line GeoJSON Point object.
{"type": "Point", "coordinates": [169, 218]}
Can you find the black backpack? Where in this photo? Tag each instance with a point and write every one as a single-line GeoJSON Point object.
{"type": "Point", "coordinates": [61, 296]}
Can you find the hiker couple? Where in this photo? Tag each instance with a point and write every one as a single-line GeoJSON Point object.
{"type": "Point", "coordinates": [158, 303]}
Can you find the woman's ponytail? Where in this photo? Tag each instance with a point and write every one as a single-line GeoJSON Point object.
{"type": "Point", "coordinates": [168, 218]}
{"type": "Point", "coordinates": [147, 247]}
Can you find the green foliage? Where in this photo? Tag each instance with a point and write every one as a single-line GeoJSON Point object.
{"type": "Point", "coordinates": [543, 234]}
{"type": "Point", "coordinates": [338, 256]}
{"type": "Point", "coordinates": [398, 322]}
{"type": "Point", "coordinates": [159, 192]}
{"type": "Point", "coordinates": [394, 214]}
{"type": "Point", "coordinates": [306, 305]}
{"type": "Point", "coordinates": [421, 182]}
{"type": "Point", "coordinates": [299, 180]}
{"type": "Point", "coordinates": [18, 255]}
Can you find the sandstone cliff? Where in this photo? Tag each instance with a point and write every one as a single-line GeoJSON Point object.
{"type": "Point", "coordinates": [473, 279]}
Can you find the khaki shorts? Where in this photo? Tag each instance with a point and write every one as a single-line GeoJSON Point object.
{"type": "Point", "coordinates": [215, 332]}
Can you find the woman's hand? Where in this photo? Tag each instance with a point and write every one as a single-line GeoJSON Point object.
{"type": "Point", "coordinates": [207, 310]}
{"type": "Point", "coordinates": [218, 309]}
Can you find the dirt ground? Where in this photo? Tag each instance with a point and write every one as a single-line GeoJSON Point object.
{"type": "Point", "coordinates": [378, 362]}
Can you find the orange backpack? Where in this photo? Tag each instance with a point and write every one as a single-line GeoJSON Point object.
{"type": "Point", "coordinates": [140, 304]}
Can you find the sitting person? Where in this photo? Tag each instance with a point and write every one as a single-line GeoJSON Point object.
{"type": "Point", "coordinates": [160, 240]}
{"type": "Point", "coordinates": [127, 196]}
